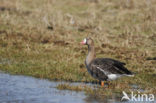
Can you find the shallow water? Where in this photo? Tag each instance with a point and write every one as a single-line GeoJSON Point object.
{"type": "Point", "coordinates": [24, 89]}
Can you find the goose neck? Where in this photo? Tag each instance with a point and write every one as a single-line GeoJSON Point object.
{"type": "Point", "coordinates": [91, 54]}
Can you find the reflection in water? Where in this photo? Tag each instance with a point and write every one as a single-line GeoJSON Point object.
{"type": "Point", "coordinates": [23, 89]}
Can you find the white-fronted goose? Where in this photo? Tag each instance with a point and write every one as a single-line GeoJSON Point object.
{"type": "Point", "coordinates": [103, 69]}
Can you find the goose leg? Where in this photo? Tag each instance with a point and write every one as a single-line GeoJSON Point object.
{"type": "Point", "coordinates": [102, 83]}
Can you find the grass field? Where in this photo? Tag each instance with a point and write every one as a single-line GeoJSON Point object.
{"type": "Point", "coordinates": [41, 38]}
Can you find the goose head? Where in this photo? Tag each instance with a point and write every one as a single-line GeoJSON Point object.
{"type": "Point", "coordinates": [87, 41]}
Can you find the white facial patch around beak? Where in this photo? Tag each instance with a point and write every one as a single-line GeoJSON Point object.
{"type": "Point", "coordinates": [85, 41]}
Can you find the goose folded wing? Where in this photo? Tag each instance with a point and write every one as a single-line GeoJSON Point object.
{"type": "Point", "coordinates": [110, 66]}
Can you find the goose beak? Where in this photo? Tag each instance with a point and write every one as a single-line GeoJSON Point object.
{"type": "Point", "coordinates": [82, 42]}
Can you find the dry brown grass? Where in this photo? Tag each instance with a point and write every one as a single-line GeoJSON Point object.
{"type": "Point", "coordinates": [41, 37]}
